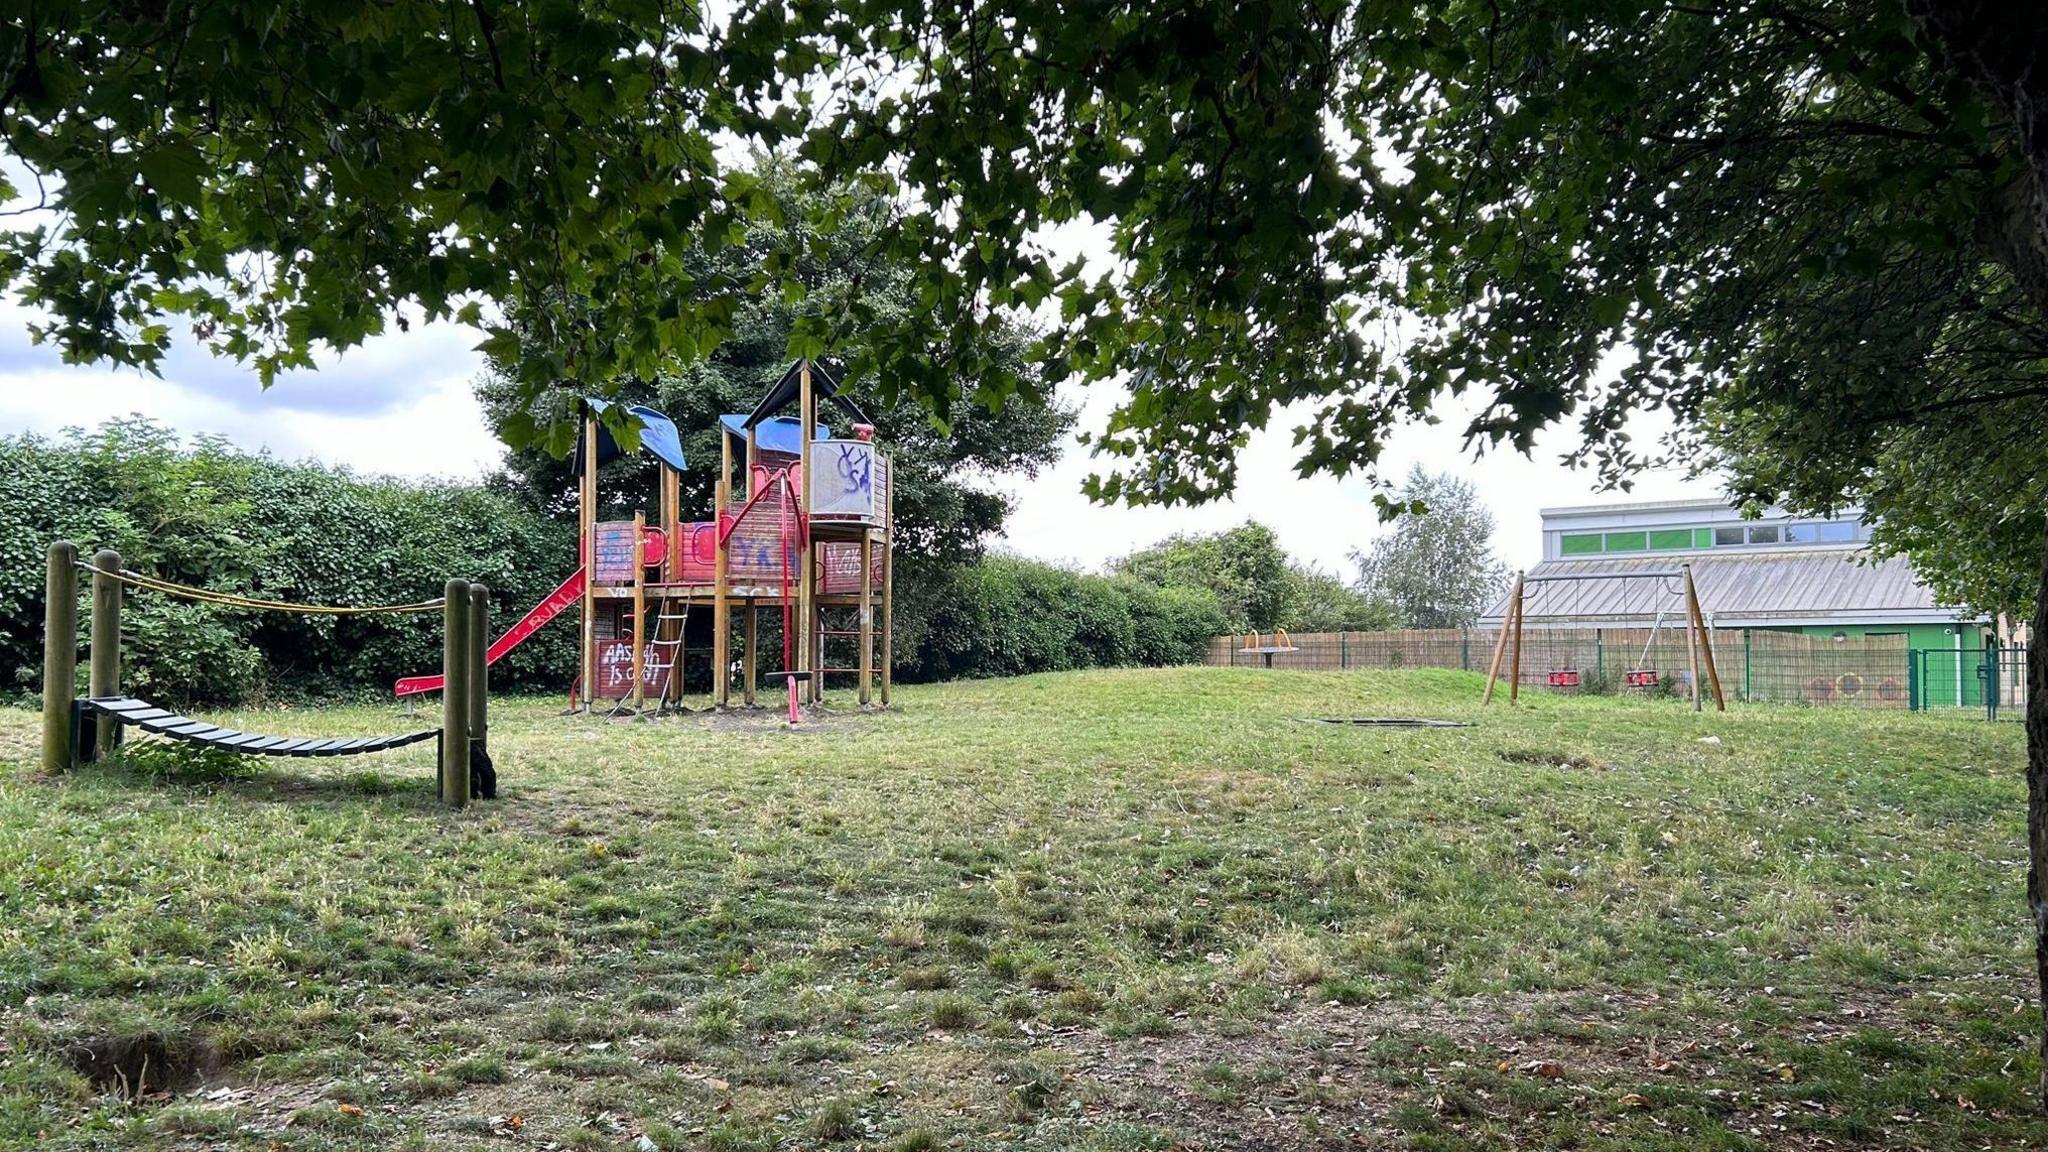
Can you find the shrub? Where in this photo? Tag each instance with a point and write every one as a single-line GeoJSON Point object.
{"type": "Point", "coordinates": [1008, 616]}
{"type": "Point", "coordinates": [204, 514]}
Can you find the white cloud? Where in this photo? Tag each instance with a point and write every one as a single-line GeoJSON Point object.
{"type": "Point", "coordinates": [402, 404]}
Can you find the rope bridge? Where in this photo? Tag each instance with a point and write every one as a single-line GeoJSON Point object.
{"type": "Point", "coordinates": [163, 722]}
{"type": "Point", "coordinates": [76, 731]}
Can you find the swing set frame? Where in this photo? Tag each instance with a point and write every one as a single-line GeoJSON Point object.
{"type": "Point", "coordinates": [1699, 644]}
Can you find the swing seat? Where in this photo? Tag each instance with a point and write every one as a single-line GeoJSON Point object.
{"type": "Point", "coordinates": [1640, 678]}
{"type": "Point", "coordinates": [1564, 678]}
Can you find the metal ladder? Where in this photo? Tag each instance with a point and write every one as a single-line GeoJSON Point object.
{"type": "Point", "coordinates": [663, 655]}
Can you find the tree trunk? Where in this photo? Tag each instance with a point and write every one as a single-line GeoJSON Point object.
{"type": "Point", "coordinates": [2001, 46]}
{"type": "Point", "coordinates": [2037, 799]}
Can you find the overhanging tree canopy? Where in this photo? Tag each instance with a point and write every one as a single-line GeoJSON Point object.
{"type": "Point", "coordinates": [1570, 207]}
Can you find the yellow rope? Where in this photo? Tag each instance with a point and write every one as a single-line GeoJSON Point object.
{"type": "Point", "coordinates": [254, 604]}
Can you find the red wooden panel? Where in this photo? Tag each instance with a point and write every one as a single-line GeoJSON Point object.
{"type": "Point", "coordinates": [700, 552]}
{"type": "Point", "coordinates": [755, 551]}
{"type": "Point", "coordinates": [615, 671]}
{"type": "Point", "coordinates": [618, 552]}
{"type": "Point", "coordinates": [842, 568]}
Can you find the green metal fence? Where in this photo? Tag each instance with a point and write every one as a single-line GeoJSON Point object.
{"type": "Point", "coordinates": [2005, 687]}
{"type": "Point", "coordinates": [1759, 664]}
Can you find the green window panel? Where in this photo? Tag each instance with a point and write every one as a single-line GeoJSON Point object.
{"type": "Point", "coordinates": [1581, 545]}
{"type": "Point", "coordinates": [1701, 538]}
{"type": "Point", "coordinates": [1671, 539]}
{"type": "Point", "coordinates": [1628, 542]}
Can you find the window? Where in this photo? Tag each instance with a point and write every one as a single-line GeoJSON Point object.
{"type": "Point", "coordinates": [1703, 537]}
{"type": "Point", "coordinates": [1723, 537]}
{"type": "Point", "coordinates": [1837, 532]}
{"type": "Point", "coordinates": [1628, 541]}
{"type": "Point", "coordinates": [1671, 539]}
{"type": "Point", "coordinates": [1802, 533]}
{"type": "Point", "coordinates": [1580, 545]}
{"type": "Point", "coordinates": [1763, 534]}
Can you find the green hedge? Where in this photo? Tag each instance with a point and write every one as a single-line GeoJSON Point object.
{"type": "Point", "coordinates": [208, 515]}
{"type": "Point", "coordinates": [1006, 616]}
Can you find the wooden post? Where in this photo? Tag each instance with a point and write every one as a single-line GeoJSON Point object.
{"type": "Point", "coordinates": [639, 615]}
{"type": "Point", "coordinates": [1500, 642]}
{"type": "Point", "coordinates": [721, 600]}
{"type": "Point", "coordinates": [749, 671]}
{"type": "Point", "coordinates": [1692, 649]}
{"type": "Point", "coordinates": [817, 628]}
{"type": "Point", "coordinates": [1706, 642]}
{"type": "Point", "coordinates": [801, 618]}
{"type": "Point", "coordinates": [867, 615]}
{"type": "Point", "coordinates": [672, 573]}
{"type": "Point", "coordinates": [479, 666]}
{"type": "Point", "coordinates": [455, 660]}
{"type": "Point", "coordinates": [889, 587]}
{"type": "Point", "coordinates": [60, 656]}
{"type": "Point", "coordinates": [105, 676]}
{"type": "Point", "coordinates": [586, 511]}
{"type": "Point", "coordinates": [671, 524]}
{"type": "Point", "coordinates": [1515, 656]}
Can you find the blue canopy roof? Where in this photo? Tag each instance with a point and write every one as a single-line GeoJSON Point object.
{"type": "Point", "coordinates": [657, 434]}
{"type": "Point", "coordinates": [783, 434]}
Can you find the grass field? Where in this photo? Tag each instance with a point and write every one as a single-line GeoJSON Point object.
{"type": "Point", "coordinates": [1111, 910]}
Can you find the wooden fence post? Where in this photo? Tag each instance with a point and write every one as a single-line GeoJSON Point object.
{"type": "Point", "coordinates": [479, 665]}
{"type": "Point", "coordinates": [105, 676]}
{"type": "Point", "coordinates": [60, 656]}
{"type": "Point", "coordinates": [455, 659]}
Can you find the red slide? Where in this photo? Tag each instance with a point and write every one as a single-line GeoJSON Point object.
{"type": "Point", "coordinates": [568, 593]}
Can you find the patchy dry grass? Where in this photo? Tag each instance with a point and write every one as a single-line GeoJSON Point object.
{"type": "Point", "coordinates": [1114, 910]}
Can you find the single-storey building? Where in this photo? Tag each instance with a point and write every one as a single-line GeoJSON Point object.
{"type": "Point", "coordinates": [1779, 573]}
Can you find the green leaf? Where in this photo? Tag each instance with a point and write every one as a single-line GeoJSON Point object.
{"type": "Point", "coordinates": [175, 170]}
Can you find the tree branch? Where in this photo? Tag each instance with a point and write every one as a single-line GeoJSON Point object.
{"type": "Point", "coordinates": [489, 26]}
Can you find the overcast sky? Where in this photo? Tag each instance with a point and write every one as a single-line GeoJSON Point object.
{"type": "Point", "coordinates": [402, 404]}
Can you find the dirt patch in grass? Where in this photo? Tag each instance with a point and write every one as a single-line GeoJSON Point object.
{"type": "Point", "coordinates": [1550, 758]}
{"type": "Point", "coordinates": [141, 1064]}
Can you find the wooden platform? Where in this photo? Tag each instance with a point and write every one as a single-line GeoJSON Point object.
{"type": "Point", "coordinates": [760, 596]}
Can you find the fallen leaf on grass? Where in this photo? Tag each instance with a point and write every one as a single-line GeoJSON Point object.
{"type": "Point", "coordinates": [1634, 1100]}
{"type": "Point", "coordinates": [1548, 1069]}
